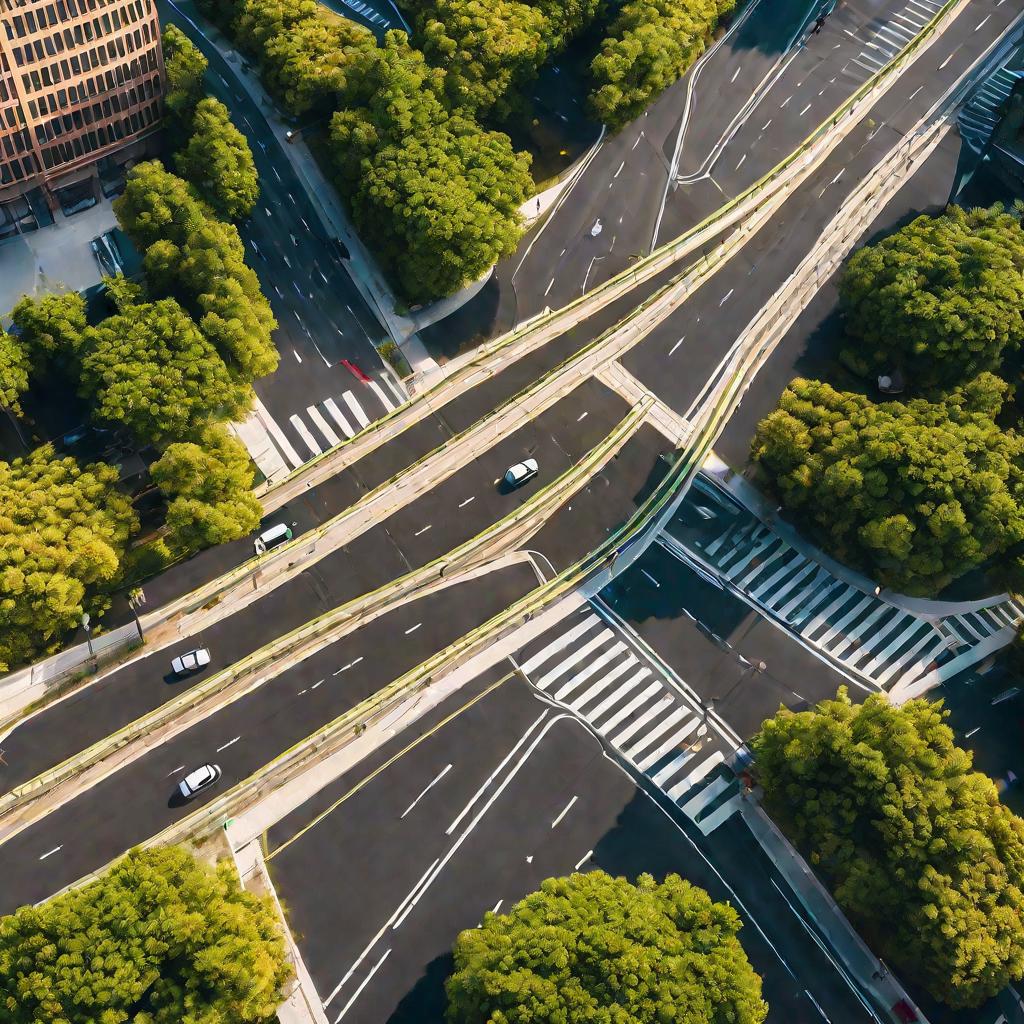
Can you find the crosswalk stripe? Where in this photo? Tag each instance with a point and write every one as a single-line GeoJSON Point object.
{"type": "Point", "coordinates": [651, 759]}
{"type": "Point", "coordinates": [631, 730]}
{"type": "Point", "coordinates": [306, 435]}
{"type": "Point", "coordinates": [332, 407]}
{"type": "Point", "coordinates": [574, 659]}
{"type": "Point", "coordinates": [851, 639]}
{"type": "Point", "coordinates": [706, 796]}
{"type": "Point", "coordinates": [261, 449]}
{"type": "Point", "coordinates": [357, 409]}
{"type": "Point", "coordinates": [577, 680]}
{"type": "Point", "coordinates": [672, 768]}
{"type": "Point", "coordinates": [626, 710]}
{"type": "Point", "coordinates": [395, 390]}
{"type": "Point", "coordinates": [720, 814]}
{"type": "Point", "coordinates": [322, 425]}
{"type": "Point", "coordinates": [277, 436]}
{"type": "Point", "coordinates": [653, 739]}
{"type": "Point", "coordinates": [384, 399]}
{"type": "Point", "coordinates": [598, 687]}
{"type": "Point", "coordinates": [698, 774]}
{"type": "Point", "coordinates": [613, 698]}
{"type": "Point", "coordinates": [561, 643]}
{"type": "Point", "coordinates": [929, 636]}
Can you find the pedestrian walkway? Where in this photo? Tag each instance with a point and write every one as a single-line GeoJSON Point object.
{"type": "Point", "coordinates": [860, 631]}
{"type": "Point", "coordinates": [982, 112]}
{"type": "Point", "coordinates": [599, 674]}
{"type": "Point", "coordinates": [280, 447]}
{"type": "Point", "coordinates": [885, 42]}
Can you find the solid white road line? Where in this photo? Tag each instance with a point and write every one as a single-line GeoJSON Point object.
{"type": "Point", "coordinates": [568, 807]}
{"type": "Point", "coordinates": [50, 853]}
{"type": "Point", "coordinates": [364, 983]}
{"type": "Point", "coordinates": [228, 744]}
{"type": "Point", "coordinates": [583, 860]}
{"type": "Point", "coordinates": [440, 775]}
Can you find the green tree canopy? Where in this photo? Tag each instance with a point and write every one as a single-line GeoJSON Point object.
{"type": "Point", "coordinates": [435, 196]}
{"type": "Point", "coordinates": [305, 50]}
{"type": "Point", "coordinates": [919, 849]}
{"type": "Point", "coordinates": [484, 48]}
{"type": "Point", "coordinates": [218, 161]}
{"type": "Point", "coordinates": [185, 67]}
{"type": "Point", "coordinates": [14, 371]}
{"type": "Point", "coordinates": [941, 298]}
{"type": "Point", "coordinates": [914, 493]}
{"type": "Point", "coordinates": [63, 530]}
{"type": "Point", "coordinates": [650, 44]}
{"type": "Point", "coordinates": [209, 482]}
{"type": "Point", "coordinates": [159, 939]}
{"type": "Point", "coordinates": [151, 368]}
{"type": "Point", "coordinates": [200, 261]}
{"type": "Point", "coordinates": [50, 326]}
{"type": "Point", "coordinates": [592, 949]}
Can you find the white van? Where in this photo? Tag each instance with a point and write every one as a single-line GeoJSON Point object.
{"type": "Point", "coordinates": [272, 537]}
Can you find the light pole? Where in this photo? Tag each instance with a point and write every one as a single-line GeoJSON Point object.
{"type": "Point", "coordinates": [88, 638]}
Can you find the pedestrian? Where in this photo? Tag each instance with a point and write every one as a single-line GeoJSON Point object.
{"type": "Point", "coordinates": [819, 23]}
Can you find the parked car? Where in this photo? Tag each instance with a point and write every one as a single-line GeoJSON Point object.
{"type": "Point", "coordinates": [272, 536]}
{"type": "Point", "coordinates": [191, 661]}
{"type": "Point", "coordinates": [518, 474]}
{"type": "Point", "coordinates": [199, 780]}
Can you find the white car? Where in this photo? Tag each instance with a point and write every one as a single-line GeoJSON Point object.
{"type": "Point", "coordinates": [202, 778]}
{"type": "Point", "coordinates": [518, 474]}
{"type": "Point", "coordinates": [191, 661]}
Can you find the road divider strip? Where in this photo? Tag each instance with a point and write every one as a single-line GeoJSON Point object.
{"type": "Point", "coordinates": [258, 667]}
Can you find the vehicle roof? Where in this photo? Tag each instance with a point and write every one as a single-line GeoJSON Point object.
{"type": "Point", "coordinates": [271, 532]}
{"type": "Point", "coordinates": [198, 776]}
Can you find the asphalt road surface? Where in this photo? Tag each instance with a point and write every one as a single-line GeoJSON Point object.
{"type": "Point", "coordinates": [677, 358]}
{"type": "Point", "coordinates": [451, 513]}
{"type": "Point", "coordinates": [751, 100]}
{"type": "Point", "coordinates": [472, 817]}
{"type": "Point", "coordinates": [140, 800]}
{"type": "Point", "coordinates": [323, 318]}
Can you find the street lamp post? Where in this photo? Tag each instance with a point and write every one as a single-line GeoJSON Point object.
{"type": "Point", "coordinates": [137, 598]}
{"type": "Point", "coordinates": [88, 638]}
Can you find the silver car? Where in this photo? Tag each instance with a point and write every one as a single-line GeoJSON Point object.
{"type": "Point", "coordinates": [199, 780]}
{"type": "Point", "coordinates": [191, 661]}
{"type": "Point", "coordinates": [518, 474]}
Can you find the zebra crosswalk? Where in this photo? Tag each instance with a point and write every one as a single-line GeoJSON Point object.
{"type": "Point", "coordinates": [892, 37]}
{"type": "Point", "coordinates": [980, 115]}
{"type": "Point", "coordinates": [862, 632]}
{"type": "Point", "coordinates": [589, 668]}
{"type": "Point", "coordinates": [279, 446]}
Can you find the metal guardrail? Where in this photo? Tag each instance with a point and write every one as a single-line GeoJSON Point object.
{"type": "Point", "coordinates": [316, 630]}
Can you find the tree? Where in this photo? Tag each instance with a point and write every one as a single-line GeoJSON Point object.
{"type": "Point", "coordinates": [209, 481]}
{"type": "Point", "coordinates": [218, 161]}
{"type": "Point", "coordinates": [63, 530]}
{"type": "Point", "coordinates": [435, 196]}
{"type": "Point", "coordinates": [941, 298]}
{"type": "Point", "coordinates": [304, 49]}
{"type": "Point", "coordinates": [650, 44]}
{"type": "Point", "coordinates": [150, 368]}
{"type": "Point", "coordinates": [159, 939]}
{"type": "Point", "coordinates": [484, 48]}
{"type": "Point", "coordinates": [185, 67]}
{"type": "Point", "coordinates": [50, 326]}
{"type": "Point", "coordinates": [591, 949]}
{"type": "Point", "coordinates": [914, 493]}
{"type": "Point", "coordinates": [200, 261]}
{"type": "Point", "coordinates": [918, 848]}
{"type": "Point", "coordinates": [14, 370]}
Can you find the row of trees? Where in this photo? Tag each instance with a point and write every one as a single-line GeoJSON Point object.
{"type": "Point", "coordinates": [919, 849]}
{"type": "Point", "coordinates": [919, 491]}
{"type": "Point", "coordinates": [176, 360]}
{"type": "Point", "coordinates": [592, 948]}
{"type": "Point", "coordinates": [159, 939]}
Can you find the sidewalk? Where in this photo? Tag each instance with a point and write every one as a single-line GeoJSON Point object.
{"type": "Point", "coordinates": [868, 971]}
{"type": "Point", "coordinates": [365, 273]}
{"type": "Point", "coordinates": [755, 502]}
